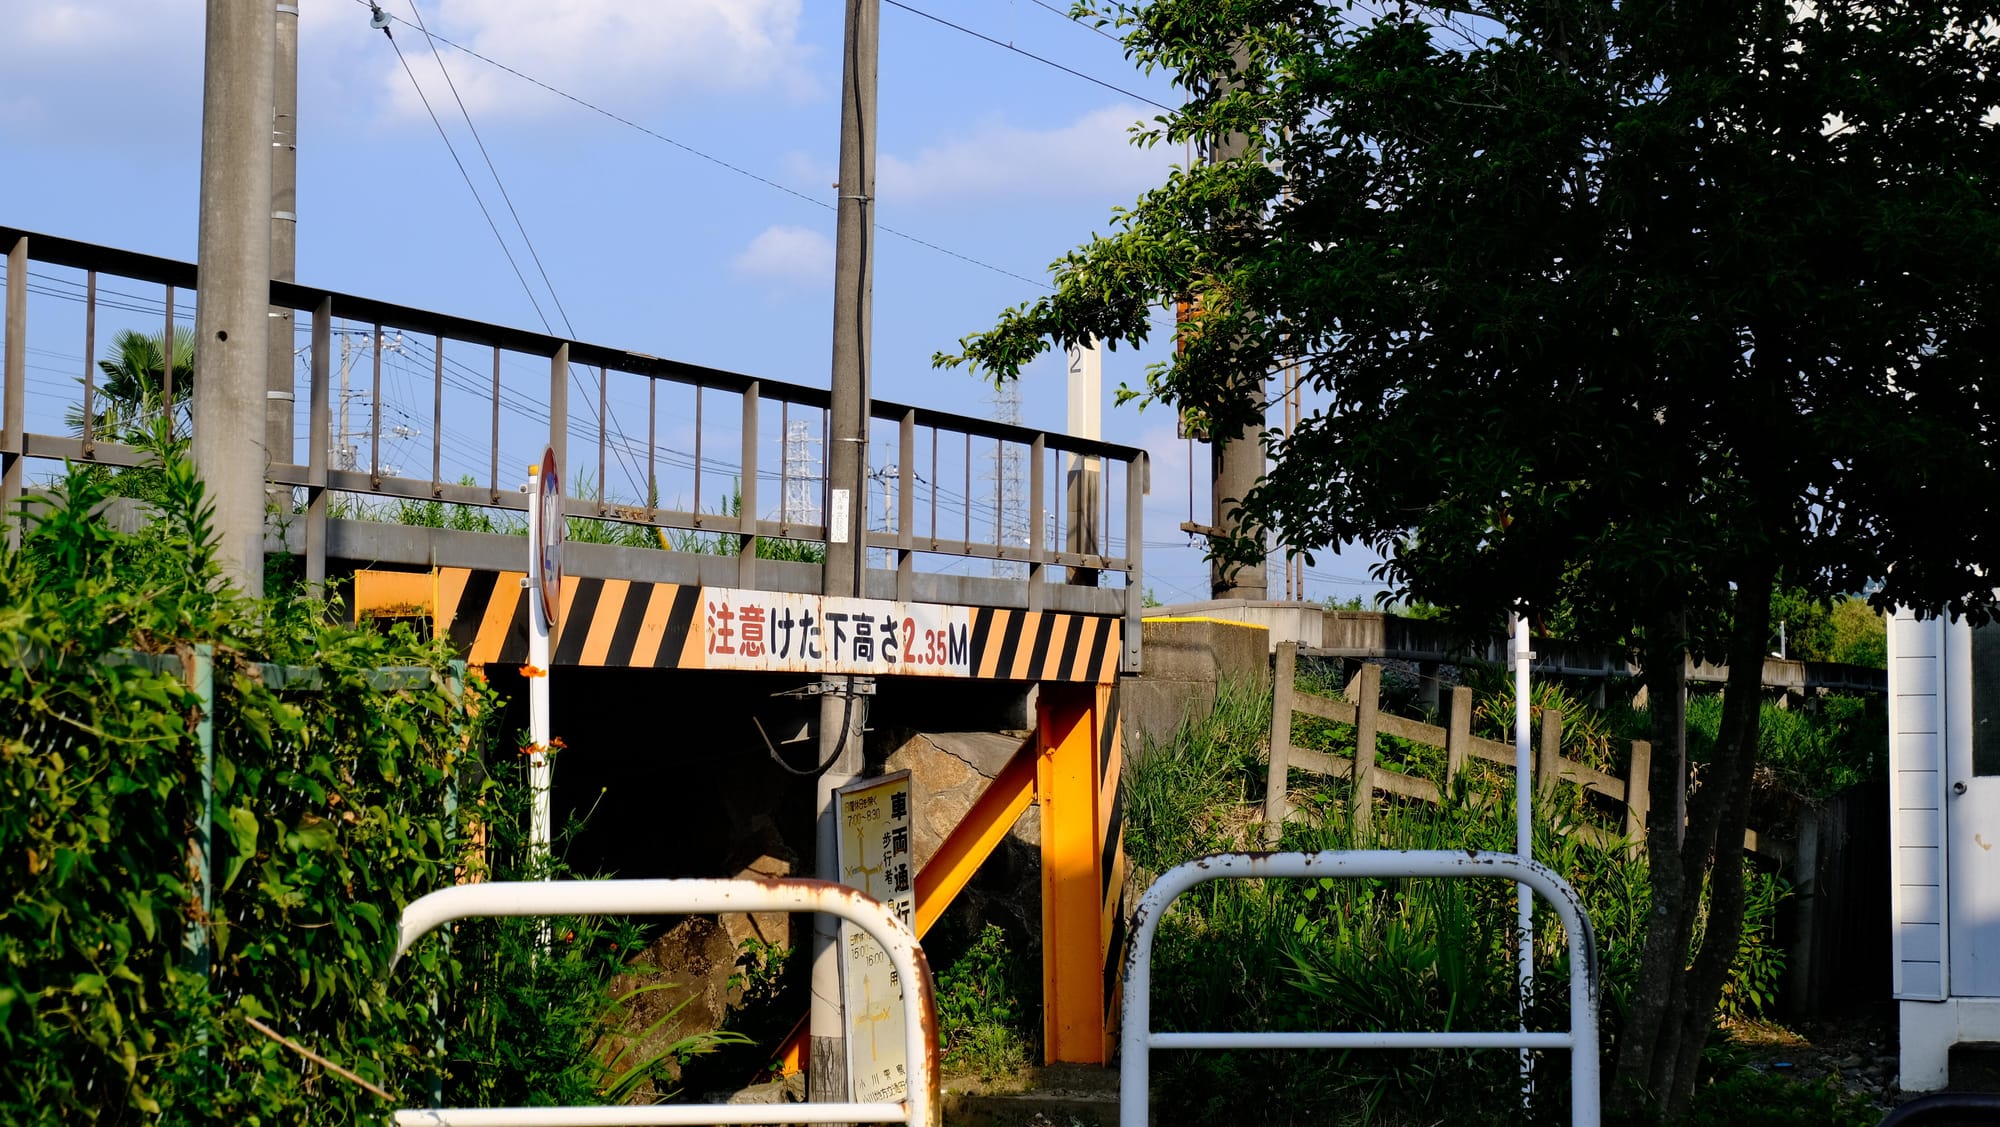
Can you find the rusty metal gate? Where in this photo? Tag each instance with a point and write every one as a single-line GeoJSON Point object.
{"type": "Point", "coordinates": [673, 897]}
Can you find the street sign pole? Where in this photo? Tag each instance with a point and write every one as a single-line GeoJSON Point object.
{"type": "Point", "coordinates": [545, 537]}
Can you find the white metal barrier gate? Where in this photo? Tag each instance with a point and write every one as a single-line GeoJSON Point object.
{"type": "Point", "coordinates": [673, 897]}
{"type": "Point", "coordinates": [1137, 1039]}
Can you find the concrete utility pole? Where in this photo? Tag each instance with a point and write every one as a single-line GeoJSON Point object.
{"type": "Point", "coordinates": [279, 398]}
{"type": "Point", "coordinates": [1085, 475]}
{"type": "Point", "coordinates": [233, 283]}
{"type": "Point", "coordinates": [1236, 461]}
{"type": "Point", "coordinates": [843, 705]}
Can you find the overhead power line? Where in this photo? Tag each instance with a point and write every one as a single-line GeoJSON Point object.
{"type": "Point", "coordinates": [1046, 6]}
{"type": "Point", "coordinates": [488, 157]}
{"type": "Point", "coordinates": [1029, 54]}
{"type": "Point", "coordinates": [453, 150]}
{"type": "Point", "coordinates": [381, 19]}
{"type": "Point", "coordinates": [710, 157]}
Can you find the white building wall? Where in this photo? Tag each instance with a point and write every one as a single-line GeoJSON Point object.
{"type": "Point", "coordinates": [1918, 692]}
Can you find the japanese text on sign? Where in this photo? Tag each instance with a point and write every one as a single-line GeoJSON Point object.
{"type": "Point", "coordinates": [766, 630]}
{"type": "Point", "coordinates": [874, 856]}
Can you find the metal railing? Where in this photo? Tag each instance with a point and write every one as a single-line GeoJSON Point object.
{"type": "Point", "coordinates": [674, 897]}
{"type": "Point", "coordinates": [940, 497]}
{"type": "Point", "coordinates": [1137, 1039]}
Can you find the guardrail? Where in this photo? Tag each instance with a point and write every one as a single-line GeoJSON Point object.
{"type": "Point", "coordinates": [673, 897]}
{"type": "Point", "coordinates": [1137, 1039]}
{"type": "Point", "coordinates": [443, 410]}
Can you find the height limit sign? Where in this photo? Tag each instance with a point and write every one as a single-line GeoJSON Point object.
{"type": "Point", "coordinates": [874, 856]}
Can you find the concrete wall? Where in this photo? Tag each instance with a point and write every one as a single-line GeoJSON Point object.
{"type": "Point", "coordinates": [1186, 659]}
{"type": "Point", "coordinates": [1282, 621]}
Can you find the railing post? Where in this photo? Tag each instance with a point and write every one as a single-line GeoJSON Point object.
{"type": "Point", "coordinates": [1037, 513]}
{"type": "Point", "coordinates": [375, 417]}
{"type": "Point", "coordinates": [90, 366]}
{"type": "Point", "coordinates": [1638, 793]}
{"type": "Point", "coordinates": [493, 472]}
{"type": "Point", "coordinates": [167, 360]}
{"type": "Point", "coordinates": [603, 425]}
{"type": "Point", "coordinates": [437, 417]}
{"type": "Point", "coordinates": [559, 411]}
{"type": "Point", "coordinates": [15, 394]}
{"type": "Point", "coordinates": [1367, 704]}
{"type": "Point", "coordinates": [906, 509]}
{"type": "Point", "coordinates": [319, 440]}
{"type": "Point", "coordinates": [1137, 471]}
{"type": "Point", "coordinates": [1277, 799]}
{"type": "Point", "coordinates": [746, 492]}
{"type": "Point", "coordinates": [652, 445]}
{"type": "Point", "coordinates": [1457, 736]}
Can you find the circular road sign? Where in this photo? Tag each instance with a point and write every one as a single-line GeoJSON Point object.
{"type": "Point", "coordinates": [549, 536]}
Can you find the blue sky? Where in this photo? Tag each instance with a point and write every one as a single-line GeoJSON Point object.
{"type": "Point", "coordinates": [649, 247]}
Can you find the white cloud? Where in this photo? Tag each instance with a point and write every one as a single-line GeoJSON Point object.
{"type": "Point", "coordinates": [619, 52]}
{"type": "Point", "coordinates": [85, 73]}
{"type": "Point", "coordinates": [787, 255]}
{"type": "Point", "coordinates": [129, 71]}
{"type": "Point", "coordinates": [1092, 156]}
{"type": "Point", "coordinates": [60, 26]}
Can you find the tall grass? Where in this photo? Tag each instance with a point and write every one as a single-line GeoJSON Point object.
{"type": "Point", "coordinates": [1811, 754]}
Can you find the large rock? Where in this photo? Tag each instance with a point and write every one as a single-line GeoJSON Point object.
{"type": "Point", "coordinates": [948, 773]}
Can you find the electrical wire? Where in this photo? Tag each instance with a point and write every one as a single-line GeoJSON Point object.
{"type": "Point", "coordinates": [1092, 28]}
{"type": "Point", "coordinates": [1028, 54]}
{"type": "Point", "coordinates": [453, 149]}
{"type": "Point", "coordinates": [713, 159]}
{"type": "Point", "coordinates": [629, 470]}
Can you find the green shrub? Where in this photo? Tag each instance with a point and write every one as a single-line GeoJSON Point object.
{"type": "Point", "coordinates": [1749, 1096]}
{"type": "Point", "coordinates": [121, 992]}
{"type": "Point", "coordinates": [1811, 754]}
{"type": "Point", "coordinates": [333, 797]}
{"type": "Point", "coordinates": [982, 1019]}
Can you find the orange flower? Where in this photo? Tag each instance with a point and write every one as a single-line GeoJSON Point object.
{"type": "Point", "coordinates": [533, 671]}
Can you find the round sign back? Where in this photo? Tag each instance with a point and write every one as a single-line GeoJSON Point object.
{"type": "Point", "coordinates": [549, 537]}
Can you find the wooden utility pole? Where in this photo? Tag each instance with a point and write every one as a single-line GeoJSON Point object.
{"type": "Point", "coordinates": [280, 395]}
{"type": "Point", "coordinates": [843, 702]}
{"type": "Point", "coordinates": [233, 283]}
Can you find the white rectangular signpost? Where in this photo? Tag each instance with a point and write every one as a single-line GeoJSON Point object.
{"type": "Point", "coordinates": [874, 856]}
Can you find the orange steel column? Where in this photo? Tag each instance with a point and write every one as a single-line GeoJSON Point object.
{"type": "Point", "coordinates": [1073, 997]}
{"type": "Point", "coordinates": [1111, 857]}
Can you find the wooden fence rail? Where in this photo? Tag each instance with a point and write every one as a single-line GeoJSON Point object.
{"type": "Point", "coordinates": [1460, 746]}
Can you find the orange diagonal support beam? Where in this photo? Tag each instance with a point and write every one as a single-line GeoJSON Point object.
{"type": "Point", "coordinates": [975, 838]}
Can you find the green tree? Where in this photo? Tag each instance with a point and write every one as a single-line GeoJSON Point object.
{"type": "Point", "coordinates": [1860, 636]}
{"type": "Point", "coordinates": [1634, 311]}
{"type": "Point", "coordinates": [135, 384]}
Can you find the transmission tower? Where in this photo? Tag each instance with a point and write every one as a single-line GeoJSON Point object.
{"type": "Point", "coordinates": [802, 477]}
{"type": "Point", "coordinates": [1009, 494]}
